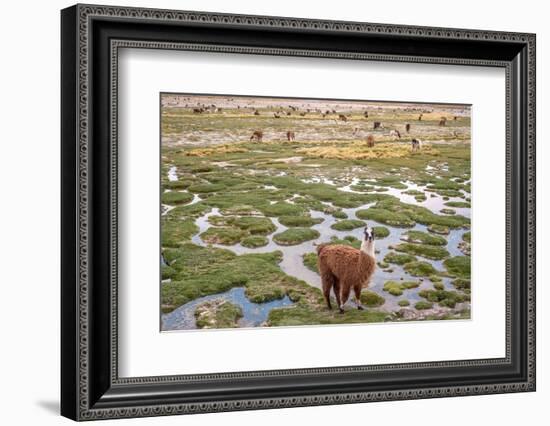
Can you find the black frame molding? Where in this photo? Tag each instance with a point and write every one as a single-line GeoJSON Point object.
{"type": "Point", "coordinates": [90, 39]}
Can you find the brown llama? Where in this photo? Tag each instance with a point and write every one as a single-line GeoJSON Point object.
{"type": "Point", "coordinates": [370, 141]}
{"type": "Point", "coordinates": [377, 125]}
{"type": "Point", "coordinates": [257, 135]}
{"type": "Point", "coordinates": [420, 117]}
{"type": "Point", "coordinates": [290, 135]}
{"type": "Point", "coordinates": [407, 127]}
{"type": "Point", "coordinates": [442, 121]}
{"type": "Point", "coordinates": [342, 117]}
{"type": "Point", "coordinates": [343, 268]}
{"type": "Point", "coordinates": [415, 144]}
{"type": "Point", "coordinates": [256, 112]}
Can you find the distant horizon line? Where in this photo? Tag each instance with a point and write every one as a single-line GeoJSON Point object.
{"type": "Point", "coordinates": [312, 99]}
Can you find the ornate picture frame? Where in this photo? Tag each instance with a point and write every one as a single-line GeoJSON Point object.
{"type": "Point", "coordinates": [91, 37]}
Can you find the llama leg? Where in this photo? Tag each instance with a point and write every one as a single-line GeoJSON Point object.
{"type": "Point", "coordinates": [357, 291]}
{"type": "Point", "coordinates": [327, 279]}
{"type": "Point", "coordinates": [337, 291]}
{"type": "Point", "coordinates": [326, 293]}
{"type": "Point", "coordinates": [344, 295]}
{"type": "Point", "coordinates": [327, 285]}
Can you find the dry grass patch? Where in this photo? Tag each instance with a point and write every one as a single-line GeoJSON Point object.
{"type": "Point", "coordinates": [360, 151]}
{"type": "Point", "coordinates": [220, 149]}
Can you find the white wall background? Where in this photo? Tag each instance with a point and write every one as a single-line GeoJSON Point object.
{"type": "Point", "coordinates": [29, 213]}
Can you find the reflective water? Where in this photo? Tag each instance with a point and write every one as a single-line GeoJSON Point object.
{"type": "Point", "coordinates": [254, 314]}
{"type": "Point", "coordinates": [172, 174]}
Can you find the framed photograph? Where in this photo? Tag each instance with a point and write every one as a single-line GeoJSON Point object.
{"type": "Point", "coordinates": [263, 212]}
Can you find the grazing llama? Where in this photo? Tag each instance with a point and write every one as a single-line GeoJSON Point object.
{"type": "Point", "coordinates": [443, 121]}
{"type": "Point", "coordinates": [257, 135]}
{"type": "Point", "coordinates": [370, 141]}
{"type": "Point", "coordinates": [344, 268]}
{"type": "Point", "coordinates": [415, 144]}
{"type": "Point", "coordinates": [395, 134]}
{"type": "Point", "coordinates": [377, 125]}
{"type": "Point", "coordinates": [290, 135]}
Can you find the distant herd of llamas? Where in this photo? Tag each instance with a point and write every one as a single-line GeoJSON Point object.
{"type": "Point", "coordinates": [416, 143]}
{"type": "Point", "coordinates": [258, 135]}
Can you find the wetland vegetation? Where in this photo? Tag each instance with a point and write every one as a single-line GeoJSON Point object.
{"type": "Point", "coordinates": [251, 186]}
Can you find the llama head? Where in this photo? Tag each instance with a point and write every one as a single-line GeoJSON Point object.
{"type": "Point", "coordinates": [369, 233]}
{"type": "Point", "coordinates": [367, 246]}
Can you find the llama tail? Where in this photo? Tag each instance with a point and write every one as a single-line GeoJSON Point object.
{"type": "Point", "coordinates": [320, 248]}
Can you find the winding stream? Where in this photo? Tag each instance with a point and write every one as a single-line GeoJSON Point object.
{"type": "Point", "coordinates": [254, 314]}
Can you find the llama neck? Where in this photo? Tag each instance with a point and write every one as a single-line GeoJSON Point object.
{"type": "Point", "coordinates": [367, 247]}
